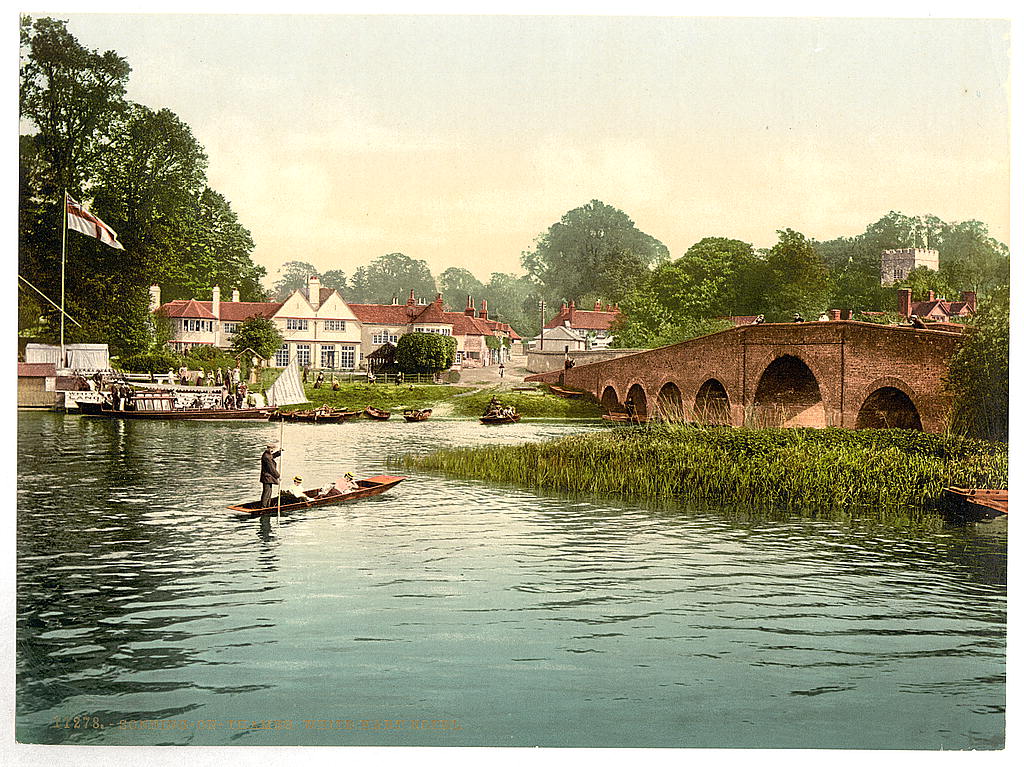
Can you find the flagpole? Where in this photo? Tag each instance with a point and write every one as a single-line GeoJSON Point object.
{"type": "Point", "coordinates": [63, 258]}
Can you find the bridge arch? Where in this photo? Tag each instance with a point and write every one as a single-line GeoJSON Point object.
{"type": "Point", "coordinates": [888, 405]}
{"type": "Point", "coordinates": [788, 394]}
{"type": "Point", "coordinates": [610, 400]}
{"type": "Point", "coordinates": [670, 403]}
{"type": "Point", "coordinates": [711, 403]}
{"type": "Point", "coordinates": [639, 396]}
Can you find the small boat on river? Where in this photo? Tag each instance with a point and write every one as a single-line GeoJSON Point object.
{"type": "Point", "coordinates": [500, 418]}
{"type": "Point", "coordinates": [416, 415]}
{"type": "Point", "coordinates": [625, 418]}
{"type": "Point", "coordinates": [377, 415]}
{"type": "Point", "coordinates": [367, 487]}
{"type": "Point", "coordinates": [978, 503]}
{"type": "Point", "coordinates": [319, 415]}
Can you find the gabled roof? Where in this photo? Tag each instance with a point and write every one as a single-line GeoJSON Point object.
{"type": "Point", "coordinates": [432, 313]}
{"type": "Point", "coordinates": [230, 311]}
{"type": "Point", "coordinates": [191, 309]}
{"type": "Point", "coordinates": [583, 320]}
{"type": "Point", "coordinates": [385, 314]}
{"type": "Point", "coordinates": [938, 306]}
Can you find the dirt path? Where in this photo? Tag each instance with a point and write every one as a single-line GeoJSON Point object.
{"type": "Point", "coordinates": [515, 372]}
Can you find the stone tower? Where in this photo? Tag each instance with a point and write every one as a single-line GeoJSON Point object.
{"type": "Point", "coordinates": [896, 264]}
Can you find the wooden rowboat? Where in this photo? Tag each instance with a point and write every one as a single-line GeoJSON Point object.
{"type": "Point", "coordinates": [978, 503]}
{"type": "Point", "coordinates": [367, 487]}
{"type": "Point", "coordinates": [567, 393]}
{"type": "Point", "coordinates": [416, 415]}
{"type": "Point", "coordinates": [494, 420]}
{"type": "Point", "coordinates": [625, 418]}
{"type": "Point", "coordinates": [377, 415]}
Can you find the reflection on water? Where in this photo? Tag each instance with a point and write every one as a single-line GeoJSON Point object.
{"type": "Point", "coordinates": [526, 619]}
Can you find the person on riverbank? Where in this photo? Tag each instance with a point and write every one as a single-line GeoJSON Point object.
{"type": "Point", "coordinates": [269, 475]}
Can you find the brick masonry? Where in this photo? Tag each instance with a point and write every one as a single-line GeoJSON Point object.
{"type": "Point", "coordinates": [832, 370]}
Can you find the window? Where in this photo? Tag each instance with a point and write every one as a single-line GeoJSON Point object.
{"type": "Point", "coordinates": [327, 355]}
{"type": "Point", "coordinates": [385, 337]}
{"type": "Point", "coordinates": [293, 324]}
{"type": "Point", "coordinates": [197, 326]}
{"type": "Point", "coordinates": [281, 357]}
{"type": "Point", "coordinates": [348, 357]}
{"type": "Point", "coordinates": [437, 331]}
{"type": "Point", "coordinates": [302, 354]}
{"type": "Point", "coordinates": [334, 324]}
{"type": "Point", "coordinates": [230, 327]}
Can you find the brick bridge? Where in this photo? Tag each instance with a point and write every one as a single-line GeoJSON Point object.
{"type": "Point", "coordinates": [837, 373]}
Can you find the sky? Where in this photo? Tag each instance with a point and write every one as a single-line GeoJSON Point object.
{"type": "Point", "coordinates": [460, 139]}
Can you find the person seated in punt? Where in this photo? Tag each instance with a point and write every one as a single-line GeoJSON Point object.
{"type": "Point", "coordinates": [295, 493]}
{"type": "Point", "coordinates": [346, 484]}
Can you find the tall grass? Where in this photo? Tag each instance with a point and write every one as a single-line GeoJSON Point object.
{"type": "Point", "coordinates": [802, 469]}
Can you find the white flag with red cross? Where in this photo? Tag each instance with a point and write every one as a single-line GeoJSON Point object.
{"type": "Point", "coordinates": [81, 220]}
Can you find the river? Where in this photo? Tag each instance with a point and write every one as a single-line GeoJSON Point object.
{"type": "Point", "coordinates": [456, 613]}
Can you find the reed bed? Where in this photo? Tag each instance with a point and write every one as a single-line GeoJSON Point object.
{"type": "Point", "coordinates": [810, 470]}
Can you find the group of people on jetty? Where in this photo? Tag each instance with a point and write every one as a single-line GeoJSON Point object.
{"type": "Point", "coordinates": [270, 477]}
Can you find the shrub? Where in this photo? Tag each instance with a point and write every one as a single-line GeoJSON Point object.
{"type": "Point", "coordinates": [159, 361]}
{"type": "Point", "coordinates": [425, 352]}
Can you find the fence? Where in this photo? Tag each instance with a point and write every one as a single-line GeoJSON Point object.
{"type": "Point", "coordinates": [381, 378]}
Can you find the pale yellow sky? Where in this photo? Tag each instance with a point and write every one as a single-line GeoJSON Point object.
{"type": "Point", "coordinates": [459, 140]}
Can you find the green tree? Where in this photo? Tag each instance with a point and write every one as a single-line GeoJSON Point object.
{"type": "Point", "coordinates": [594, 250]}
{"type": "Point", "coordinates": [335, 279]}
{"type": "Point", "coordinates": [979, 372]}
{"type": "Point", "coordinates": [259, 334]}
{"type": "Point", "coordinates": [294, 275]}
{"type": "Point", "coordinates": [457, 283]}
{"type": "Point", "coordinates": [391, 275]}
{"type": "Point", "coordinates": [795, 279]}
{"type": "Point", "coordinates": [425, 352]}
{"type": "Point", "coordinates": [513, 300]}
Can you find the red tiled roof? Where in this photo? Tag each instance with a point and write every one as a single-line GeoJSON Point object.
{"type": "Point", "coordinates": [385, 314]}
{"type": "Point", "coordinates": [940, 308]}
{"type": "Point", "coordinates": [36, 369]}
{"type": "Point", "coordinates": [432, 312]}
{"type": "Point", "coordinates": [583, 320]}
{"type": "Point", "coordinates": [230, 311]}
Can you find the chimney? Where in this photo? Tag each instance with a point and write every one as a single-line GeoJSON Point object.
{"type": "Point", "coordinates": [438, 301]}
{"type": "Point", "coordinates": [846, 314]}
{"type": "Point", "coordinates": [597, 305]}
{"type": "Point", "coordinates": [931, 295]}
{"type": "Point", "coordinates": [969, 297]}
{"type": "Point", "coordinates": [468, 311]}
{"type": "Point", "coordinates": [903, 302]}
{"type": "Point", "coordinates": [833, 315]}
{"type": "Point", "coordinates": [394, 300]}
{"type": "Point", "coordinates": [411, 301]}
{"type": "Point", "coordinates": [483, 309]}
{"type": "Point", "coordinates": [572, 311]}
{"type": "Point", "coordinates": [234, 296]}
{"type": "Point", "coordinates": [216, 301]}
{"type": "Point", "coordinates": [314, 291]}
{"type": "Point", "coordinates": [154, 297]}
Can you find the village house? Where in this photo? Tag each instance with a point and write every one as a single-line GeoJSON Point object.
{"type": "Point", "coordinates": [935, 309]}
{"type": "Point", "coordinates": [592, 327]}
{"type": "Point", "coordinates": [386, 323]}
{"type": "Point", "coordinates": [322, 331]}
{"type": "Point", "coordinates": [318, 327]}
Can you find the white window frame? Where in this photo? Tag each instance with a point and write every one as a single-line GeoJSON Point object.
{"type": "Point", "coordinates": [293, 323]}
{"type": "Point", "coordinates": [334, 325]}
{"type": "Point", "coordinates": [303, 354]}
{"type": "Point", "coordinates": [346, 354]}
{"type": "Point", "coordinates": [326, 349]}
{"type": "Point", "coordinates": [282, 356]}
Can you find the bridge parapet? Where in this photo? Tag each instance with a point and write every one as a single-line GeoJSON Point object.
{"type": "Point", "coordinates": [811, 373]}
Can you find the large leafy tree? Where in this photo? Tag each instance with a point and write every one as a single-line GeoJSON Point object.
{"type": "Point", "coordinates": [335, 279]}
{"type": "Point", "coordinates": [795, 279]}
{"type": "Point", "coordinates": [979, 372]}
{"type": "Point", "coordinates": [594, 250]}
{"type": "Point", "coordinates": [457, 283]}
{"type": "Point", "coordinates": [140, 169]}
{"type": "Point", "coordinates": [391, 275]}
{"type": "Point", "coordinates": [292, 276]}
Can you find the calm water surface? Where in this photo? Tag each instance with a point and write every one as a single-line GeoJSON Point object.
{"type": "Point", "coordinates": [525, 619]}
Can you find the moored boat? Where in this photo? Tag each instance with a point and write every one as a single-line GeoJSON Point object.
{"type": "Point", "coordinates": [625, 418]}
{"type": "Point", "coordinates": [367, 487]}
{"type": "Point", "coordinates": [566, 393]}
{"type": "Point", "coordinates": [376, 414]}
{"type": "Point", "coordinates": [416, 415]}
{"type": "Point", "coordinates": [978, 503]}
{"type": "Point", "coordinates": [180, 414]}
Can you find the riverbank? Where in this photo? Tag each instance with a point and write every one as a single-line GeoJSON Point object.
{"type": "Point", "coordinates": [812, 470]}
{"type": "Point", "coordinates": [462, 401]}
